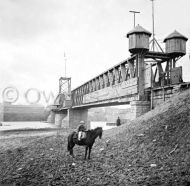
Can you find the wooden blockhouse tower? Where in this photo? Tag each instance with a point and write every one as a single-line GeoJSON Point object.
{"type": "Point", "coordinates": [138, 39]}
{"type": "Point", "coordinates": [175, 44]}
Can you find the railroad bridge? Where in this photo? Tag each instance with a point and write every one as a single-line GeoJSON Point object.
{"type": "Point", "coordinates": [144, 80]}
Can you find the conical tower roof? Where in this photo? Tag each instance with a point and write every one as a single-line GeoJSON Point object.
{"type": "Point", "coordinates": [138, 29]}
{"type": "Point", "coordinates": [175, 34]}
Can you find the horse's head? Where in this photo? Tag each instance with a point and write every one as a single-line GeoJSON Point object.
{"type": "Point", "coordinates": [94, 133]}
{"type": "Point", "coordinates": [100, 131]}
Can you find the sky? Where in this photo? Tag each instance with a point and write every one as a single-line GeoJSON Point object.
{"type": "Point", "coordinates": [35, 34]}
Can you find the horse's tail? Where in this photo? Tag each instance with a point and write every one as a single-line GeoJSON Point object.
{"type": "Point", "coordinates": [68, 148]}
{"type": "Point", "coordinates": [69, 139]}
{"type": "Point", "coordinates": [70, 142]}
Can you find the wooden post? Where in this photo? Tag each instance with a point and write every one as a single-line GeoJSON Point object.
{"type": "Point", "coordinates": [116, 75]}
{"type": "Point", "coordinates": [163, 93]}
{"type": "Point", "coordinates": [110, 77]}
{"type": "Point", "coordinates": [131, 69]}
{"type": "Point", "coordinates": [105, 78]}
{"type": "Point", "coordinates": [140, 74]}
{"type": "Point", "coordinates": [151, 94]}
{"type": "Point", "coordinates": [123, 72]}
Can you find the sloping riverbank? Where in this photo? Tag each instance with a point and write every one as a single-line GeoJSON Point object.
{"type": "Point", "coordinates": [152, 150]}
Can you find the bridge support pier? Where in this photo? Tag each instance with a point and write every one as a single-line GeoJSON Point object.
{"type": "Point", "coordinates": [139, 108]}
{"type": "Point", "coordinates": [69, 118]}
{"type": "Point", "coordinates": [74, 116]}
{"type": "Point", "coordinates": [59, 119]}
{"type": "Point", "coordinates": [51, 117]}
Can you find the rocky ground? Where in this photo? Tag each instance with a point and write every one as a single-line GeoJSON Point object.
{"type": "Point", "coordinates": [152, 150]}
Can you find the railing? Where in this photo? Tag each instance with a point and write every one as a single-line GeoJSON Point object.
{"type": "Point", "coordinates": [114, 76]}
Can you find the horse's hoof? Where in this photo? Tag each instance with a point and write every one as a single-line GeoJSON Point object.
{"type": "Point", "coordinates": [72, 156]}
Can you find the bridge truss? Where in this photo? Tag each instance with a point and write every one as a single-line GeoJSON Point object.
{"type": "Point", "coordinates": [124, 78]}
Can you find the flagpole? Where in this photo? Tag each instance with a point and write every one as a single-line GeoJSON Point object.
{"type": "Point", "coordinates": [65, 59]}
{"type": "Point", "coordinates": [153, 34]}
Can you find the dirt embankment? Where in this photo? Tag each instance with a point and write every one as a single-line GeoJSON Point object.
{"type": "Point", "coordinates": [152, 150]}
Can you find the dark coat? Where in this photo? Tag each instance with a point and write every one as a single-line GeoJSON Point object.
{"type": "Point", "coordinates": [81, 128]}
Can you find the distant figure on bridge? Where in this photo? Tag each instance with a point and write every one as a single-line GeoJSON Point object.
{"type": "Point", "coordinates": [118, 122]}
{"type": "Point", "coordinates": [81, 131]}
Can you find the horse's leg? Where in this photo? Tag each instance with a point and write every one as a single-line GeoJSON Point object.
{"type": "Point", "coordinates": [86, 149]}
{"type": "Point", "coordinates": [71, 152]}
{"type": "Point", "coordinates": [89, 151]}
{"type": "Point", "coordinates": [70, 148]}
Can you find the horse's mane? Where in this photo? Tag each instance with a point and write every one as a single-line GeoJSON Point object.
{"type": "Point", "coordinates": [97, 128]}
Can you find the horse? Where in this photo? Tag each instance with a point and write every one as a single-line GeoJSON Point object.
{"type": "Point", "coordinates": [88, 142]}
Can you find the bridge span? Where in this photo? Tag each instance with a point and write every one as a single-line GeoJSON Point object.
{"type": "Point", "coordinates": [144, 80]}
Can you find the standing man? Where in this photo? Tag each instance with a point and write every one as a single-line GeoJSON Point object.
{"type": "Point", "coordinates": [118, 122]}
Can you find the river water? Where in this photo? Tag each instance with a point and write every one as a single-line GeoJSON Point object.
{"type": "Point", "coordinates": [42, 125]}
{"type": "Point", "coordinates": [25, 125]}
